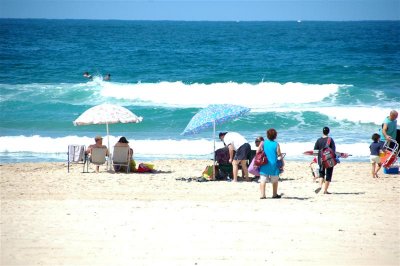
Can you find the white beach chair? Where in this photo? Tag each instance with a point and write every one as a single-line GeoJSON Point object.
{"type": "Point", "coordinates": [98, 156]}
{"type": "Point", "coordinates": [76, 154]}
{"type": "Point", "coordinates": [121, 157]}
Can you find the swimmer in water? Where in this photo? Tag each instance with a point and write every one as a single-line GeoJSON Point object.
{"type": "Point", "coordinates": [87, 75]}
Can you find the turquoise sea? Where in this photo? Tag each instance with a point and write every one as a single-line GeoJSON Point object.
{"type": "Point", "coordinates": [296, 77]}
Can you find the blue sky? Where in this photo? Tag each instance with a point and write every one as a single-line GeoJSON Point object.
{"type": "Point", "coordinates": [239, 10]}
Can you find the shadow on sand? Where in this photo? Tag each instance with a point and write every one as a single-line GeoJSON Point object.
{"type": "Point", "coordinates": [347, 193]}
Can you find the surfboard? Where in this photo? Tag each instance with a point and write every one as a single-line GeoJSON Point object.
{"type": "Point", "coordinates": [339, 154]}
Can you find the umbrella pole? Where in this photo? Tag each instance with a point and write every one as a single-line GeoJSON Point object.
{"type": "Point", "coordinates": [108, 147]}
{"type": "Point", "coordinates": [213, 175]}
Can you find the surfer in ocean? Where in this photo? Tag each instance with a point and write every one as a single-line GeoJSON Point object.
{"type": "Point", "coordinates": [87, 75]}
{"type": "Point", "coordinates": [107, 77]}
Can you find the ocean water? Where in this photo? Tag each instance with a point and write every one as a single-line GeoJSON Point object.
{"type": "Point", "coordinates": [295, 77]}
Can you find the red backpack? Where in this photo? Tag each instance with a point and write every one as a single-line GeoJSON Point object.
{"type": "Point", "coordinates": [328, 156]}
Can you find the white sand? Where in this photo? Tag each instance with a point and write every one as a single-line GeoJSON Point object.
{"type": "Point", "coordinates": [50, 217]}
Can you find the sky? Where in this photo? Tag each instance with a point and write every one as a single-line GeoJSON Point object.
{"type": "Point", "coordinates": [200, 10]}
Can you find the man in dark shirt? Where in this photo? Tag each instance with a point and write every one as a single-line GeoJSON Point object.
{"type": "Point", "coordinates": [325, 174]}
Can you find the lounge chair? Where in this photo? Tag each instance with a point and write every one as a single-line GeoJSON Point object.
{"type": "Point", "coordinates": [121, 157]}
{"type": "Point", "coordinates": [98, 156]}
{"type": "Point", "coordinates": [391, 149]}
{"type": "Point", "coordinates": [76, 154]}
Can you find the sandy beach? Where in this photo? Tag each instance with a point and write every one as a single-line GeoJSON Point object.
{"type": "Point", "coordinates": [51, 217]}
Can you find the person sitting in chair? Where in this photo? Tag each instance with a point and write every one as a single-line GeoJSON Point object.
{"type": "Point", "coordinates": [98, 144]}
{"type": "Point", "coordinates": [123, 142]}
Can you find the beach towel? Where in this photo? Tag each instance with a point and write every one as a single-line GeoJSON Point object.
{"type": "Point", "coordinates": [328, 156]}
{"type": "Point", "coordinates": [145, 168]}
{"type": "Point", "coordinates": [76, 153]}
{"type": "Point", "coordinates": [208, 172]}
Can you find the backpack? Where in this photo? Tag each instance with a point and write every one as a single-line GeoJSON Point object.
{"type": "Point", "coordinates": [328, 156]}
{"type": "Point", "coordinates": [222, 155]}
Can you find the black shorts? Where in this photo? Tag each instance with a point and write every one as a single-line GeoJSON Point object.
{"type": "Point", "coordinates": [243, 152]}
{"type": "Point", "coordinates": [326, 173]}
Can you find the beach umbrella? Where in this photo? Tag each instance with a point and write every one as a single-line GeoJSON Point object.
{"type": "Point", "coordinates": [106, 114]}
{"type": "Point", "coordinates": [213, 115]}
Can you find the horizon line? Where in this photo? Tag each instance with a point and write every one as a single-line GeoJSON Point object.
{"type": "Point", "coordinates": [205, 20]}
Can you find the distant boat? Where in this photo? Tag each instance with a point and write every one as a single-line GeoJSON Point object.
{"type": "Point", "coordinates": [299, 21]}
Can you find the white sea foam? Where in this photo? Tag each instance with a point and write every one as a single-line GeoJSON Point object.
{"type": "Point", "coordinates": [257, 96]}
{"type": "Point", "coordinates": [355, 114]}
{"type": "Point", "coordinates": [262, 97]}
{"type": "Point", "coordinates": [185, 148]}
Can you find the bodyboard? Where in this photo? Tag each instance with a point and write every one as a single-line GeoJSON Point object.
{"type": "Point", "coordinates": [338, 154]}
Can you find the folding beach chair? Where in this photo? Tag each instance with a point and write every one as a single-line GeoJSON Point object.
{"type": "Point", "coordinates": [98, 156]}
{"type": "Point", "coordinates": [76, 154]}
{"type": "Point", "coordinates": [121, 157]}
{"type": "Point", "coordinates": [391, 149]}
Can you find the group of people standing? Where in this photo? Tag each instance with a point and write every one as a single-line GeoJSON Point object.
{"type": "Point", "coordinates": [239, 152]}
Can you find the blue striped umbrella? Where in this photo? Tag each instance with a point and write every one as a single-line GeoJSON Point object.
{"type": "Point", "coordinates": [211, 116]}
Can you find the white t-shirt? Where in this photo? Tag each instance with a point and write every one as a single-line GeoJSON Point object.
{"type": "Point", "coordinates": [234, 139]}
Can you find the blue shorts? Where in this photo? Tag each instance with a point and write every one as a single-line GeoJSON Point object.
{"type": "Point", "coordinates": [243, 153]}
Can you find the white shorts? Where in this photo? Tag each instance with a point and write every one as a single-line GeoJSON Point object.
{"type": "Point", "coordinates": [374, 159]}
{"type": "Point", "coordinates": [268, 179]}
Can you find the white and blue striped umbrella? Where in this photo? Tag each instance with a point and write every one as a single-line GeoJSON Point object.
{"type": "Point", "coordinates": [212, 115]}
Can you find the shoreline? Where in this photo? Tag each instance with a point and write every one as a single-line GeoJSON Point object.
{"type": "Point", "coordinates": [5, 158]}
{"type": "Point", "coordinates": [49, 216]}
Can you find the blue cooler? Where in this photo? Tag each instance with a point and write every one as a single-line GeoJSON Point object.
{"type": "Point", "coordinates": [391, 171]}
